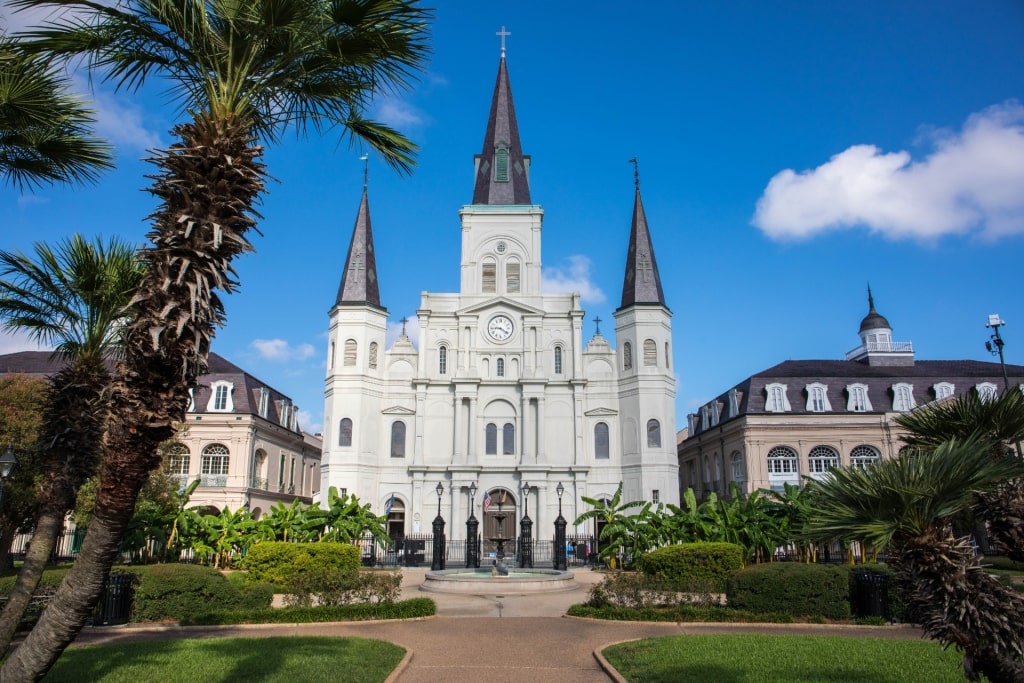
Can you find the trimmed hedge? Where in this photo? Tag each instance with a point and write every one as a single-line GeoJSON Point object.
{"type": "Point", "coordinates": [277, 562]}
{"type": "Point", "coordinates": [176, 591]}
{"type": "Point", "coordinates": [679, 613]}
{"type": "Point", "coordinates": [693, 566]}
{"type": "Point", "coordinates": [406, 609]}
{"type": "Point", "coordinates": [793, 588]}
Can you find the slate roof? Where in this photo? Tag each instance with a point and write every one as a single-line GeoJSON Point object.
{"type": "Point", "coordinates": [245, 395]}
{"type": "Point", "coordinates": [359, 286]}
{"type": "Point", "coordinates": [502, 131]}
{"type": "Point", "coordinates": [641, 283]}
{"type": "Point", "coordinates": [837, 374]}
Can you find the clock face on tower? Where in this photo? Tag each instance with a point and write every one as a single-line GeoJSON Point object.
{"type": "Point", "coordinates": [500, 328]}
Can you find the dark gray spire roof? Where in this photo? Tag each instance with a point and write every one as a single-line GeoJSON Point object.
{"type": "Point", "coordinates": [873, 320]}
{"type": "Point", "coordinates": [359, 279]}
{"type": "Point", "coordinates": [641, 283]}
{"type": "Point", "coordinates": [509, 182]}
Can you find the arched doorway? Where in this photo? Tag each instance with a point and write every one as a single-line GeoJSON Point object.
{"type": "Point", "coordinates": [500, 521]}
{"type": "Point", "coordinates": [396, 519]}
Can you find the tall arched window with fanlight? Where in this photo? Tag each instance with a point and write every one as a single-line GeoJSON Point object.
{"type": "Point", "coordinates": [558, 360]}
{"type": "Point", "coordinates": [442, 360]}
{"type": "Point", "coordinates": [601, 441]}
{"type": "Point", "coordinates": [653, 434]}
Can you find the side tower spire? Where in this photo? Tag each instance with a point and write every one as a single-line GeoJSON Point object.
{"type": "Point", "coordinates": [641, 283]}
{"type": "Point", "coordinates": [502, 171]}
{"type": "Point", "coordinates": [359, 285]}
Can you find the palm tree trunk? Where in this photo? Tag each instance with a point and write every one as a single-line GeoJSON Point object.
{"type": "Point", "coordinates": [44, 539]}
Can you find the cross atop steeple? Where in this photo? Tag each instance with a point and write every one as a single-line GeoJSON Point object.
{"type": "Point", "coordinates": [366, 169]}
{"type": "Point", "coordinates": [503, 33]}
{"type": "Point", "coordinates": [597, 325]}
{"type": "Point", "coordinates": [404, 320]}
{"type": "Point", "coordinates": [636, 172]}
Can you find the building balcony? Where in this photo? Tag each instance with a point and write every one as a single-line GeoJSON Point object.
{"type": "Point", "coordinates": [213, 480]}
{"type": "Point", "coordinates": [880, 347]}
{"type": "Point", "coordinates": [258, 483]}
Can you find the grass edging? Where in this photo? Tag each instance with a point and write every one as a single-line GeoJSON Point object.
{"type": "Point", "coordinates": [682, 613]}
{"type": "Point", "coordinates": [404, 609]}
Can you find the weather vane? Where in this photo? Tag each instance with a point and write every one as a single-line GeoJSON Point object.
{"type": "Point", "coordinates": [366, 169]}
{"type": "Point", "coordinates": [636, 172]}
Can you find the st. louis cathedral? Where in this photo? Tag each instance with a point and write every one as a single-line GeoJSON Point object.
{"type": "Point", "coordinates": [499, 388]}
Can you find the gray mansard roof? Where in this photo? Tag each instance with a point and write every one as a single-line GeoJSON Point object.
{"type": "Point", "coordinates": [245, 396]}
{"type": "Point", "coordinates": [836, 375]}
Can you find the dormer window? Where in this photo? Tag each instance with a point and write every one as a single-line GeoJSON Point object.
{"type": "Point", "coordinates": [264, 402]}
{"type": "Point", "coordinates": [501, 165]}
{"type": "Point", "coordinates": [943, 390]}
{"type": "Point", "coordinates": [986, 391]}
{"type": "Point", "coordinates": [817, 398]}
{"type": "Point", "coordinates": [776, 400]}
{"type": "Point", "coordinates": [903, 396]}
{"type": "Point", "coordinates": [220, 398]}
{"type": "Point", "coordinates": [857, 398]}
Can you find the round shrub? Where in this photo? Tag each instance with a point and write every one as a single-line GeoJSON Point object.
{"type": "Point", "coordinates": [278, 563]}
{"type": "Point", "coordinates": [793, 588]}
{"type": "Point", "coordinates": [693, 566]}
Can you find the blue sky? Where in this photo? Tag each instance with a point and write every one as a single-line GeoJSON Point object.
{"type": "Point", "coordinates": [790, 153]}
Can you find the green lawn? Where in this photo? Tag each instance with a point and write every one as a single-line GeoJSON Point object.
{"type": "Point", "coordinates": [225, 660]}
{"type": "Point", "coordinates": [783, 659]}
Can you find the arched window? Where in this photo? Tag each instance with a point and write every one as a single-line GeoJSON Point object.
{"type": "Point", "coordinates": [499, 367]}
{"type": "Point", "coordinates": [442, 360]}
{"type": "Point", "coordinates": [820, 459]}
{"type": "Point", "coordinates": [214, 466]}
{"type": "Point", "coordinates": [508, 439]}
{"type": "Point", "coordinates": [491, 439]}
{"type": "Point", "coordinates": [739, 470]}
{"type": "Point", "coordinates": [817, 398]}
{"type": "Point", "coordinates": [512, 277]}
{"type": "Point", "coordinates": [373, 356]}
{"type": "Point", "coordinates": [350, 353]}
{"type": "Point", "coordinates": [558, 360]}
{"type": "Point", "coordinates": [653, 434]}
{"type": "Point", "coordinates": [601, 441]}
{"type": "Point", "coordinates": [986, 391]}
{"type": "Point", "coordinates": [943, 390]}
{"type": "Point", "coordinates": [783, 467]}
{"type": "Point", "coordinates": [863, 456]}
{"type": "Point", "coordinates": [489, 277]}
{"type": "Point", "coordinates": [398, 439]}
{"type": "Point", "coordinates": [627, 356]}
{"type": "Point", "coordinates": [776, 400]}
{"type": "Point", "coordinates": [177, 462]}
{"type": "Point", "coordinates": [345, 433]}
{"type": "Point", "coordinates": [650, 353]}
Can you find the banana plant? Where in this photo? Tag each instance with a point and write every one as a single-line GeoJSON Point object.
{"type": "Point", "coordinates": [616, 523]}
{"type": "Point", "coordinates": [226, 535]}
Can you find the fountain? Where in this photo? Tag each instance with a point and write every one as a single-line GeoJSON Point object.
{"type": "Point", "coordinates": [498, 578]}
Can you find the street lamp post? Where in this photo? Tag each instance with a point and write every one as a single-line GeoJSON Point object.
{"type": "Point", "coordinates": [561, 562]}
{"type": "Point", "coordinates": [437, 561]}
{"type": "Point", "coordinates": [995, 347]}
{"type": "Point", "coordinates": [7, 463]}
{"type": "Point", "coordinates": [472, 532]}
{"type": "Point", "coordinates": [526, 530]}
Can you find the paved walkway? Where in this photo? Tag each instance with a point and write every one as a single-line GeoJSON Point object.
{"type": "Point", "coordinates": [479, 637]}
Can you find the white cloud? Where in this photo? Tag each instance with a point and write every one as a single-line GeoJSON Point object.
{"type": "Point", "coordinates": [394, 331]}
{"type": "Point", "coordinates": [969, 183]}
{"type": "Point", "coordinates": [574, 276]}
{"type": "Point", "coordinates": [310, 423]}
{"type": "Point", "coordinates": [118, 119]}
{"type": "Point", "coordinates": [281, 350]}
{"type": "Point", "coordinates": [398, 113]}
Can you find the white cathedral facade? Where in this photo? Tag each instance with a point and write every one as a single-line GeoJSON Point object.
{"type": "Point", "coordinates": [500, 389]}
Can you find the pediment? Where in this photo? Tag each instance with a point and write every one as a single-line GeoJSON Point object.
{"type": "Point", "coordinates": [398, 410]}
{"type": "Point", "coordinates": [601, 412]}
{"type": "Point", "coordinates": [502, 302]}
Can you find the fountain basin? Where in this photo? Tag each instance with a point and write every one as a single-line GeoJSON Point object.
{"type": "Point", "coordinates": [480, 581]}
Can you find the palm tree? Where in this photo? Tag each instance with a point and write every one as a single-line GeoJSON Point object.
{"type": "Point", "coordinates": [1000, 419]}
{"type": "Point", "coordinates": [906, 506]}
{"type": "Point", "coordinates": [242, 70]}
{"type": "Point", "coordinates": [73, 297]}
{"type": "Point", "coordinates": [615, 523]}
{"type": "Point", "coordinates": [44, 130]}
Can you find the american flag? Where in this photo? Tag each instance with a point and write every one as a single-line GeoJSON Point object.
{"type": "Point", "coordinates": [487, 501]}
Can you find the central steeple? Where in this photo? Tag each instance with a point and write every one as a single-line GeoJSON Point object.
{"type": "Point", "coordinates": [502, 170]}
